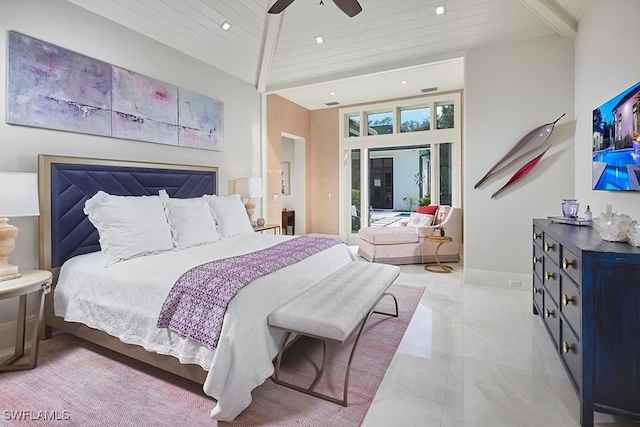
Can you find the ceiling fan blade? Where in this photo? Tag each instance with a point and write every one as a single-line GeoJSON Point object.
{"type": "Point", "coordinates": [280, 5]}
{"type": "Point", "coordinates": [350, 7]}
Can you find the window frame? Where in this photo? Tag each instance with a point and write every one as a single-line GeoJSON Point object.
{"type": "Point", "coordinates": [396, 139]}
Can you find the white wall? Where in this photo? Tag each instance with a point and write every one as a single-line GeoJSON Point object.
{"type": "Point", "coordinates": [510, 90]}
{"type": "Point", "coordinates": [66, 25]}
{"type": "Point", "coordinates": [607, 63]}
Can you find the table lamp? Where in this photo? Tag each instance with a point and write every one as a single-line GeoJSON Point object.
{"type": "Point", "coordinates": [249, 187]}
{"type": "Point", "coordinates": [18, 197]}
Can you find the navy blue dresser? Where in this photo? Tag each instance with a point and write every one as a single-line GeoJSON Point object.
{"type": "Point", "coordinates": [587, 292]}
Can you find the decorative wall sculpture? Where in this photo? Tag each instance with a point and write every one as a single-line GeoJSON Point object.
{"type": "Point", "coordinates": [55, 88]}
{"type": "Point", "coordinates": [520, 173]}
{"type": "Point", "coordinates": [527, 144]}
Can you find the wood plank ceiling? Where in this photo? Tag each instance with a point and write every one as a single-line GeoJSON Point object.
{"type": "Point", "coordinates": [279, 54]}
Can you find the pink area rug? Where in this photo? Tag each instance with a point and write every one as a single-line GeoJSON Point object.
{"type": "Point", "coordinates": [81, 384]}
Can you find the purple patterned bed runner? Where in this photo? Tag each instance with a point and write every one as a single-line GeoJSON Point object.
{"type": "Point", "coordinates": [198, 301]}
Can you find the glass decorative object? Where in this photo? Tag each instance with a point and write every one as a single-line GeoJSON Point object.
{"type": "Point", "coordinates": [570, 208]}
{"type": "Point", "coordinates": [614, 227]}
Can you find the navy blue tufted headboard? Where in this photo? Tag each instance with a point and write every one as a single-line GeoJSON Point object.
{"type": "Point", "coordinates": [67, 182]}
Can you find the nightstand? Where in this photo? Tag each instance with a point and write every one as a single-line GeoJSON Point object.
{"type": "Point", "coordinates": [30, 281]}
{"type": "Point", "coordinates": [274, 227]}
{"type": "Point", "coordinates": [289, 220]}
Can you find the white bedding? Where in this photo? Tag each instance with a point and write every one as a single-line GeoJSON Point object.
{"type": "Point", "coordinates": [125, 299]}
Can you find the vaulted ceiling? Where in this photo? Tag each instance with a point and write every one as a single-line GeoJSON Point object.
{"type": "Point", "coordinates": [362, 59]}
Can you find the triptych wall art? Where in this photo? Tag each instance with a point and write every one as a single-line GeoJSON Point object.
{"type": "Point", "coordinates": [55, 88]}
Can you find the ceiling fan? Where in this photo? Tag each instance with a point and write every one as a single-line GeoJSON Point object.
{"type": "Point", "coordinates": [350, 7]}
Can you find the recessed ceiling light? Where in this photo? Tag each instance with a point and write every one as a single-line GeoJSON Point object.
{"type": "Point", "coordinates": [441, 10]}
{"type": "Point", "coordinates": [332, 93]}
{"type": "Point", "coordinates": [404, 82]}
{"type": "Point", "coordinates": [319, 39]}
{"type": "Point", "coordinates": [226, 25]}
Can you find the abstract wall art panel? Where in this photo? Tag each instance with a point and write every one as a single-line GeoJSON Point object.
{"type": "Point", "coordinates": [201, 121]}
{"type": "Point", "coordinates": [55, 88]}
{"type": "Point", "coordinates": [144, 109]}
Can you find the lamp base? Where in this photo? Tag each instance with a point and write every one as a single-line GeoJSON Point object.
{"type": "Point", "coordinates": [8, 234]}
{"type": "Point", "coordinates": [250, 207]}
{"type": "Point", "coordinates": [9, 276]}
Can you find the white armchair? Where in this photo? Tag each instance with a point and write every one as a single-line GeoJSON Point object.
{"type": "Point", "coordinates": [408, 245]}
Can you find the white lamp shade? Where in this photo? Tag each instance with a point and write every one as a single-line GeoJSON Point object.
{"type": "Point", "coordinates": [249, 187]}
{"type": "Point", "coordinates": [18, 194]}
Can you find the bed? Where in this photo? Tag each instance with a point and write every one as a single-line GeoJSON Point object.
{"type": "Point", "coordinates": [117, 306]}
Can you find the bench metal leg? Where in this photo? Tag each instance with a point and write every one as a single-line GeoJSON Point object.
{"type": "Point", "coordinates": [310, 390]}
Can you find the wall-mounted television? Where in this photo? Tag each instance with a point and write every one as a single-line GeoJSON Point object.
{"type": "Point", "coordinates": [616, 143]}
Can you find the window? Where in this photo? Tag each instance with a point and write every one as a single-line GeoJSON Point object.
{"type": "Point", "coordinates": [354, 125]}
{"type": "Point", "coordinates": [380, 123]}
{"type": "Point", "coordinates": [421, 136]}
{"type": "Point", "coordinates": [444, 116]}
{"type": "Point", "coordinates": [415, 119]}
{"type": "Point", "coordinates": [355, 191]}
{"type": "Point", "coordinates": [445, 174]}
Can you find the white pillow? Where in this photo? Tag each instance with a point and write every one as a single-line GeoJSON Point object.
{"type": "Point", "coordinates": [420, 220]}
{"type": "Point", "coordinates": [230, 215]}
{"type": "Point", "coordinates": [190, 220]}
{"type": "Point", "coordinates": [128, 226]}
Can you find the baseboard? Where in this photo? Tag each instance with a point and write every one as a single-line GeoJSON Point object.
{"type": "Point", "coordinates": [8, 335]}
{"type": "Point", "coordinates": [497, 279]}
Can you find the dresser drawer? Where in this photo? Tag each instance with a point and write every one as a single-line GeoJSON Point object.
{"type": "Point", "coordinates": [551, 280]}
{"type": "Point", "coordinates": [551, 248]}
{"type": "Point", "coordinates": [551, 318]}
{"type": "Point", "coordinates": [570, 304]}
{"type": "Point", "coordinates": [537, 236]}
{"type": "Point", "coordinates": [570, 264]}
{"type": "Point", "coordinates": [538, 293]}
{"type": "Point", "coordinates": [571, 353]}
{"type": "Point", "coordinates": [538, 260]}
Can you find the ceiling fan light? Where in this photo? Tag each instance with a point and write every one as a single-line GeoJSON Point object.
{"type": "Point", "coordinates": [226, 25]}
{"type": "Point", "coordinates": [319, 39]}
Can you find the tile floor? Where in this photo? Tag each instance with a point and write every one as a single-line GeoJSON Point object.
{"type": "Point", "coordinates": [475, 356]}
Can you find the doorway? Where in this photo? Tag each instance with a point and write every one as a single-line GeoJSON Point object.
{"type": "Point", "coordinates": [294, 196]}
{"type": "Point", "coordinates": [381, 183]}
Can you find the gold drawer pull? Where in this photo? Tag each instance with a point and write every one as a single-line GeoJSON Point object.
{"type": "Point", "coordinates": [548, 275]}
{"type": "Point", "coordinates": [536, 290]}
{"type": "Point", "coordinates": [566, 299]}
{"type": "Point", "coordinates": [548, 247]}
{"type": "Point", "coordinates": [548, 313]}
{"type": "Point", "coordinates": [535, 236]}
{"type": "Point", "coordinates": [566, 263]}
{"type": "Point", "coordinates": [536, 259]}
{"type": "Point", "coordinates": [566, 347]}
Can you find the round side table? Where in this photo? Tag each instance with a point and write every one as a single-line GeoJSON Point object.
{"type": "Point", "coordinates": [30, 281]}
{"type": "Point", "coordinates": [437, 267]}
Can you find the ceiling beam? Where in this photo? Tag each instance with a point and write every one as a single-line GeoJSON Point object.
{"type": "Point", "coordinates": [269, 43]}
{"type": "Point", "coordinates": [554, 16]}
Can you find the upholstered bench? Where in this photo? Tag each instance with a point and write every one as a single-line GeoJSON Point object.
{"type": "Point", "coordinates": [331, 310]}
